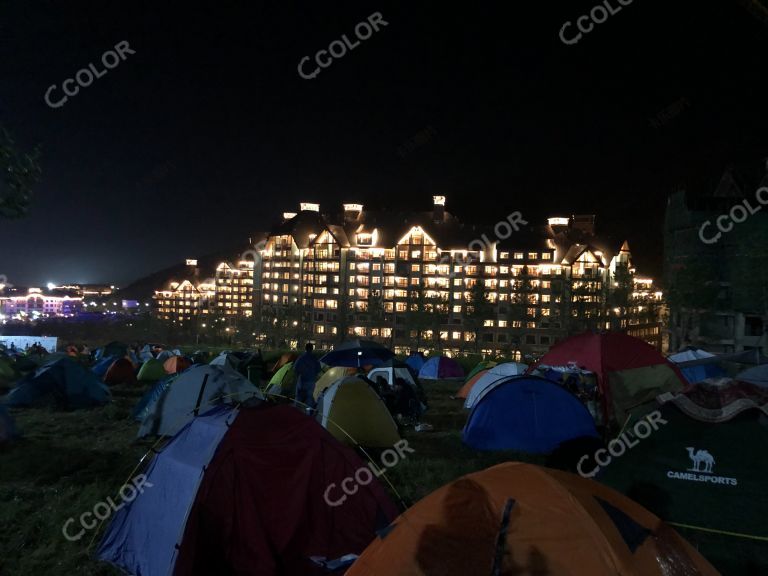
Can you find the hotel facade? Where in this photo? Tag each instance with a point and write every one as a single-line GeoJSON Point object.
{"type": "Point", "coordinates": [425, 280]}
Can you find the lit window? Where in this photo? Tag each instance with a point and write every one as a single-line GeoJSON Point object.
{"type": "Point", "coordinates": [546, 256]}
{"type": "Point", "coordinates": [532, 255]}
{"type": "Point", "coordinates": [519, 255]}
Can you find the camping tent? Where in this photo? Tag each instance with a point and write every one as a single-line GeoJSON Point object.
{"type": "Point", "coordinates": [121, 372]}
{"type": "Point", "coordinates": [151, 371]}
{"type": "Point", "coordinates": [519, 518]}
{"type": "Point", "coordinates": [352, 411]}
{"type": "Point", "coordinates": [7, 427]}
{"type": "Point", "coordinates": [283, 382]}
{"type": "Point", "coordinates": [240, 489]}
{"type": "Point", "coordinates": [415, 361]}
{"type": "Point", "coordinates": [116, 349]}
{"type": "Point", "coordinates": [757, 375]}
{"type": "Point", "coordinates": [439, 367]}
{"type": "Point", "coordinates": [145, 353]}
{"type": "Point", "coordinates": [392, 369]}
{"type": "Point", "coordinates": [163, 355]}
{"type": "Point", "coordinates": [192, 392]}
{"type": "Point", "coordinates": [693, 374]}
{"type": "Point", "coordinates": [526, 413]}
{"type": "Point", "coordinates": [629, 371]}
{"type": "Point", "coordinates": [101, 367]}
{"type": "Point", "coordinates": [705, 466]}
{"type": "Point", "coordinates": [64, 383]}
{"type": "Point", "coordinates": [283, 360]}
{"type": "Point", "coordinates": [147, 403]}
{"type": "Point", "coordinates": [477, 384]}
{"type": "Point", "coordinates": [330, 376]}
{"type": "Point", "coordinates": [176, 364]}
{"type": "Point", "coordinates": [479, 367]}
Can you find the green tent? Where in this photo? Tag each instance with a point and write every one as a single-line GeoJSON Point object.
{"type": "Point", "coordinates": [705, 468]}
{"type": "Point", "coordinates": [151, 371]}
{"type": "Point", "coordinates": [482, 365]}
{"type": "Point", "coordinates": [283, 382]}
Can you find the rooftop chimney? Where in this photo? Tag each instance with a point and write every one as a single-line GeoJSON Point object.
{"type": "Point", "coordinates": [438, 209]}
{"type": "Point", "coordinates": [352, 212]}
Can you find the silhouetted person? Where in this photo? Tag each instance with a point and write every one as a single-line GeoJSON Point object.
{"type": "Point", "coordinates": [306, 367]}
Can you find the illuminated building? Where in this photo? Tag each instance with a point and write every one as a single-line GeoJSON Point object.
{"type": "Point", "coordinates": [424, 280]}
{"type": "Point", "coordinates": [38, 303]}
{"type": "Point", "coordinates": [409, 280]}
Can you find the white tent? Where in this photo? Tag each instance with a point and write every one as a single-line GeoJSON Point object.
{"type": "Point", "coordinates": [490, 376]}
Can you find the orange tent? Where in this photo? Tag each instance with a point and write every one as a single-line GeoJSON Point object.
{"type": "Point", "coordinates": [515, 519]}
{"type": "Point", "coordinates": [120, 372]}
{"type": "Point", "coordinates": [283, 360]}
{"type": "Point", "coordinates": [464, 392]}
{"type": "Point", "coordinates": [176, 364]}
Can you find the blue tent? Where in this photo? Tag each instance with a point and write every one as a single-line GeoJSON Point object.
{"type": "Point", "coordinates": [64, 382]}
{"type": "Point", "coordinates": [439, 367]}
{"type": "Point", "coordinates": [698, 372]}
{"type": "Point", "coordinates": [527, 414]}
{"type": "Point", "coordinates": [191, 392]}
{"type": "Point", "coordinates": [415, 361]}
{"type": "Point", "coordinates": [101, 367]}
{"type": "Point", "coordinates": [163, 511]}
{"type": "Point", "coordinates": [147, 402]}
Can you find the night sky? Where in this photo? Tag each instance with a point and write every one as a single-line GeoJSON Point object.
{"type": "Point", "coordinates": [207, 133]}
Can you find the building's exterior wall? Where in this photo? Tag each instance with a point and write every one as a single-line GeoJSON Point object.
{"type": "Point", "coordinates": [323, 280]}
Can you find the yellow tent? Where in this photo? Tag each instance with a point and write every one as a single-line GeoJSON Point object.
{"type": "Point", "coordinates": [352, 411]}
{"type": "Point", "coordinates": [330, 376]}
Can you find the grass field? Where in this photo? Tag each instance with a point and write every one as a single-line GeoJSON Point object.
{"type": "Point", "coordinates": [66, 462]}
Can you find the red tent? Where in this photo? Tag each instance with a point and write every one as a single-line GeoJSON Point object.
{"type": "Point", "coordinates": [120, 372]}
{"type": "Point", "coordinates": [629, 371]}
{"type": "Point", "coordinates": [262, 507]}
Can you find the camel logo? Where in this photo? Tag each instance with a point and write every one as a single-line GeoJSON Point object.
{"type": "Point", "coordinates": [701, 470]}
{"type": "Point", "coordinates": [699, 458]}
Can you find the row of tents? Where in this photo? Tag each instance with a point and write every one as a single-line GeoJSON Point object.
{"type": "Point", "coordinates": [247, 489]}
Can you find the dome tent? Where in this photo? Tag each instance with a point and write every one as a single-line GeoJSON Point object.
{"type": "Point", "coordinates": [352, 411]}
{"type": "Point", "coordinates": [243, 488]}
{"type": "Point", "coordinates": [330, 376]}
{"type": "Point", "coordinates": [704, 466]}
{"type": "Point", "coordinates": [192, 392]}
{"type": "Point", "coordinates": [476, 385]}
{"type": "Point", "coordinates": [120, 372]}
{"type": "Point", "coordinates": [151, 371]}
{"type": "Point", "coordinates": [440, 367]}
{"type": "Point", "coordinates": [64, 383]}
{"type": "Point", "coordinates": [629, 371]}
{"type": "Point", "coordinates": [519, 518]}
{"type": "Point", "coordinates": [527, 414]}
